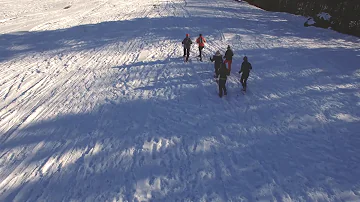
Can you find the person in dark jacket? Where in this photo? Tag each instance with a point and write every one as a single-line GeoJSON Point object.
{"type": "Point", "coordinates": [228, 57]}
{"type": "Point", "coordinates": [218, 61]}
{"type": "Point", "coordinates": [187, 45]}
{"type": "Point", "coordinates": [245, 70]}
{"type": "Point", "coordinates": [223, 72]}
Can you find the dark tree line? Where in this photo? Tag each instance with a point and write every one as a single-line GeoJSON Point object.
{"type": "Point", "coordinates": [345, 14]}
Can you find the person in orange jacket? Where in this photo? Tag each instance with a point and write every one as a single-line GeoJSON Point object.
{"type": "Point", "coordinates": [201, 41]}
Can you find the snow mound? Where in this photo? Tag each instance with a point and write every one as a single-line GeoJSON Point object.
{"type": "Point", "coordinates": [324, 16]}
{"type": "Point", "coordinates": [320, 20]}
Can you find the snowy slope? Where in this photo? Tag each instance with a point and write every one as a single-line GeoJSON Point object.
{"type": "Point", "coordinates": [97, 105]}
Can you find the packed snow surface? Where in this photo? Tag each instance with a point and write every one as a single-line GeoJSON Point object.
{"type": "Point", "coordinates": [98, 105]}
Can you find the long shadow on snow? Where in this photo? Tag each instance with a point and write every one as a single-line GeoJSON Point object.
{"type": "Point", "coordinates": [151, 30]}
{"type": "Point", "coordinates": [86, 37]}
{"type": "Point", "coordinates": [118, 131]}
{"type": "Point", "coordinates": [216, 150]}
{"type": "Point", "coordinates": [151, 63]}
{"type": "Point", "coordinates": [195, 147]}
{"type": "Point", "coordinates": [124, 153]}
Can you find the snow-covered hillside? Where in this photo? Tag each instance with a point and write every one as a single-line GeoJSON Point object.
{"type": "Point", "coordinates": [97, 104]}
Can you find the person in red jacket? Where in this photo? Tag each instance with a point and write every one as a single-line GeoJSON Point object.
{"type": "Point", "coordinates": [201, 41]}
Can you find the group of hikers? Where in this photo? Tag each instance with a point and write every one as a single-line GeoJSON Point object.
{"type": "Point", "coordinates": [187, 45]}
{"type": "Point", "coordinates": [221, 71]}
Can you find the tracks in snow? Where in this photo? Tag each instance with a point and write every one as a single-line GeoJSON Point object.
{"type": "Point", "coordinates": [75, 117]}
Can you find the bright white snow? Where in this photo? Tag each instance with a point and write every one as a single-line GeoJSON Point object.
{"type": "Point", "coordinates": [97, 105]}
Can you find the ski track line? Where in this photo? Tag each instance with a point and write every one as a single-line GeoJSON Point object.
{"type": "Point", "coordinates": [230, 108]}
{"type": "Point", "coordinates": [13, 128]}
{"type": "Point", "coordinates": [138, 157]}
{"type": "Point", "coordinates": [187, 13]}
{"type": "Point", "coordinates": [127, 55]}
{"type": "Point", "coordinates": [206, 92]}
{"type": "Point", "coordinates": [34, 67]}
{"type": "Point", "coordinates": [15, 69]}
{"type": "Point", "coordinates": [67, 80]}
{"type": "Point", "coordinates": [218, 45]}
{"type": "Point", "coordinates": [37, 168]}
{"type": "Point", "coordinates": [74, 143]}
{"type": "Point", "coordinates": [146, 141]}
{"type": "Point", "coordinates": [8, 91]}
{"type": "Point", "coordinates": [19, 83]}
{"type": "Point", "coordinates": [27, 92]}
{"type": "Point", "coordinates": [8, 79]}
{"type": "Point", "coordinates": [218, 171]}
{"type": "Point", "coordinates": [150, 117]}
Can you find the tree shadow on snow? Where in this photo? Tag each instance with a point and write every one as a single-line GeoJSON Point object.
{"type": "Point", "coordinates": [197, 147]}
{"type": "Point", "coordinates": [266, 146]}
{"type": "Point", "coordinates": [151, 30]}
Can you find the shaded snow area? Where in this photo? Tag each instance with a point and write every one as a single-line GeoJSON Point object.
{"type": "Point", "coordinates": [98, 105]}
